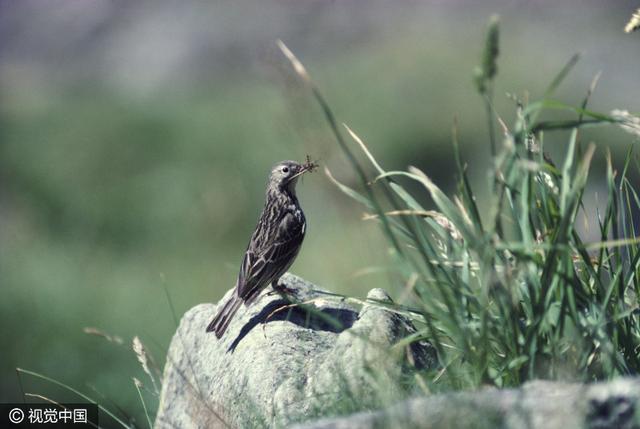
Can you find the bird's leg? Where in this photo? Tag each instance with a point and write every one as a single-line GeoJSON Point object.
{"type": "Point", "coordinates": [282, 289]}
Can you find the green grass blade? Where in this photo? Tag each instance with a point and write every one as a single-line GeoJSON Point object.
{"type": "Point", "coordinates": [77, 392]}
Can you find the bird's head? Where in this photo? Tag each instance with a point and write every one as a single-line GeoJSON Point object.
{"type": "Point", "coordinates": [284, 175]}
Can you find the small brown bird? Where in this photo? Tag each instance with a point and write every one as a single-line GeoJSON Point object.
{"type": "Point", "coordinates": [274, 244]}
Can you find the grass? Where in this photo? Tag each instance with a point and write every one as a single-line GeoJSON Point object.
{"type": "Point", "coordinates": [515, 292]}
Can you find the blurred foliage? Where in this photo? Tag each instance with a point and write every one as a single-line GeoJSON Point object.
{"type": "Point", "coordinates": [135, 140]}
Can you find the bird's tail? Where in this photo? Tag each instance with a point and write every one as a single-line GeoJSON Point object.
{"type": "Point", "coordinates": [225, 314]}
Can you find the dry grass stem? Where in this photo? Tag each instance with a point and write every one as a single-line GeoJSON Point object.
{"type": "Point", "coordinates": [98, 333]}
{"type": "Point", "coordinates": [144, 359]}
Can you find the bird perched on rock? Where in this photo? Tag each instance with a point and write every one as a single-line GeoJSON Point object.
{"type": "Point", "coordinates": [274, 244]}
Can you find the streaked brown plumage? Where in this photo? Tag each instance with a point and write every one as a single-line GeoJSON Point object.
{"type": "Point", "coordinates": [274, 244]}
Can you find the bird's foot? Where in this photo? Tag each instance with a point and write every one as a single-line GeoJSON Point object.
{"type": "Point", "coordinates": [283, 290]}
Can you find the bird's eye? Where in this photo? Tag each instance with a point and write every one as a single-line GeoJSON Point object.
{"type": "Point", "coordinates": [285, 169]}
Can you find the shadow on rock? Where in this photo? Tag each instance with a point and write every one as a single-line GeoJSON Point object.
{"type": "Point", "coordinates": [333, 320]}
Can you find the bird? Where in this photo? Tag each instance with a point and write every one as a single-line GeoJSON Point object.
{"type": "Point", "coordinates": [274, 245]}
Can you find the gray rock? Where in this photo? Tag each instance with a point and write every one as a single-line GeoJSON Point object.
{"type": "Point", "coordinates": [277, 365]}
{"type": "Point", "coordinates": [537, 405]}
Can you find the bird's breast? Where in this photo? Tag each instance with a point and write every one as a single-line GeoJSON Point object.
{"type": "Point", "coordinates": [298, 215]}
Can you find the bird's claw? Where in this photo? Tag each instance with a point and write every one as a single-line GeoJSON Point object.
{"type": "Point", "coordinates": [283, 290]}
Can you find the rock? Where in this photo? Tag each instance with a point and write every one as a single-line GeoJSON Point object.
{"type": "Point", "coordinates": [537, 405]}
{"type": "Point", "coordinates": [278, 364]}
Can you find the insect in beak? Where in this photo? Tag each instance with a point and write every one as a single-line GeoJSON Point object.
{"type": "Point", "coordinates": [307, 166]}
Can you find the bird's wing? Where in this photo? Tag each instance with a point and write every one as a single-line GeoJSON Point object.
{"type": "Point", "coordinates": [270, 255]}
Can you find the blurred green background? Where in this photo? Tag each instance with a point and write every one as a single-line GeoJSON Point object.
{"type": "Point", "coordinates": [135, 140]}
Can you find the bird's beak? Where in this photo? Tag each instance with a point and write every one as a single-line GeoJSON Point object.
{"type": "Point", "coordinates": [303, 169]}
